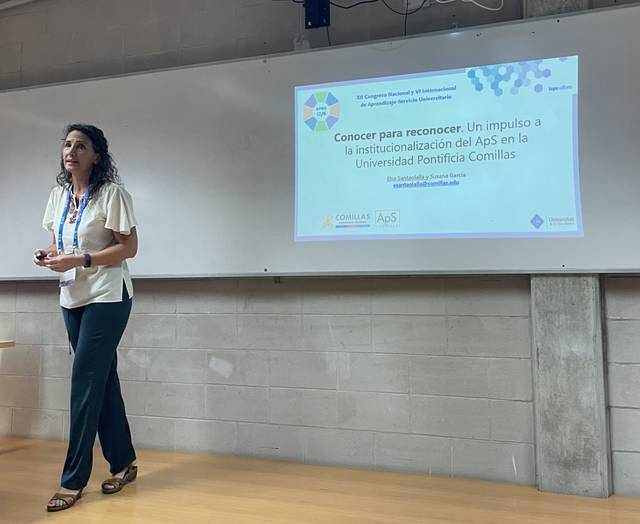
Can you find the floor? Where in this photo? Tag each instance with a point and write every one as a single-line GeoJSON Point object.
{"type": "Point", "coordinates": [192, 489]}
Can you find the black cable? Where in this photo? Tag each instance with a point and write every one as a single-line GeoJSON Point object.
{"type": "Point", "coordinates": [354, 5]}
{"type": "Point", "coordinates": [328, 35]}
{"type": "Point", "coordinates": [343, 6]}
{"type": "Point", "coordinates": [407, 12]}
{"type": "Point", "coordinates": [405, 18]}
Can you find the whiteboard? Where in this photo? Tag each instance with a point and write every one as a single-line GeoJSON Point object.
{"type": "Point", "coordinates": [208, 154]}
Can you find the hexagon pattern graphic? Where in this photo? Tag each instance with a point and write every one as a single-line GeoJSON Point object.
{"type": "Point", "coordinates": [511, 77]}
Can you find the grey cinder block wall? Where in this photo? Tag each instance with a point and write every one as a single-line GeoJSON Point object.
{"type": "Point", "coordinates": [429, 375]}
{"type": "Point", "coordinates": [623, 334]}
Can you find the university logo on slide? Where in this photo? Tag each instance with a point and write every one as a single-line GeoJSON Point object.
{"type": "Point", "coordinates": [321, 111]}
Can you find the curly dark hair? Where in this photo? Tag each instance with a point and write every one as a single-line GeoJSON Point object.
{"type": "Point", "coordinates": [103, 171]}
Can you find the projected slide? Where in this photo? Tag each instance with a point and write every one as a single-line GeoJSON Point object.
{"type": "Point", "coordinates": [487, 151]}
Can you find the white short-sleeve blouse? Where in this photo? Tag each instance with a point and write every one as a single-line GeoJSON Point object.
{"type": "Point", "coordinates": [111, 209]}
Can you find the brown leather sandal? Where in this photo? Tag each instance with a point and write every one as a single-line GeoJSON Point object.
{"type": "Point", "coordinates": [115, 484]}
{"type": "Point", "coordinates": [68, 499]}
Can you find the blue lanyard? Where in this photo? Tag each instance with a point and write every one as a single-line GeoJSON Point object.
{"type": "Point", "coordinates": [83, 205]}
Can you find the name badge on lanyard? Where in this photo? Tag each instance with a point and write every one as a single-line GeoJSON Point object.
{"type": "Point", "coordinates": [69, 277]}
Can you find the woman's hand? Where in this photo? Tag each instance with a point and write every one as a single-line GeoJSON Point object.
{"type": "Point", "coordinates": [62, 263]}
{"type": "Point", "coordinates": [43, 254]}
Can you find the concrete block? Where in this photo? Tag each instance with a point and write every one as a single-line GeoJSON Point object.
{"type": "Point", "coordinates": [153, 433]}
{"type": "Point", "coordinates": [270, 331]}
{"type": "Point", "coordinates": [206, 331]}
{"type": "Point", "coordinates": [374, 411]}
{"type": "Point", "coordinates": [238, 367]}
{"type": "Point", "coordinates": [626, 474]}
{"type": "Point", "coordinates": [536, 8]}
{"type": "Point", "coordinates": [133, 363]}
{"type": "Point", "coordinates": [265, 43]}
{"type": "Point", "coordinates": [337, 333]}
{"type": "Point", "coordinates": [622, 297]}
{"type": "Point", "coordinates": [37, 423]}
{"type": "Point", "coordinates": [54, 394]}
{"type": "Point", "coordinates": [123, 12]}
{"type": "Point", "coordinates": [487, 296]}
{"type": "Point", "coordinates": [510, 379]}
{"type": "Point", "coordinates": [408, 296]}
{"type": "Point", "coordinates": [268, 441]}
{"type": "Point", "coordinates": [162, 60]}
{"type": "Point", "coordinates": [625, 430]}
{"type": "Point", "coordinates": [105, 43]}
{"type": "Point", "coordinates": [450, 376]}
{"type": "Point", "coordinates": [44, 75]}
{"type": "Point", "coordinates": [511, 421]}
{"type": "Point", "coordinates": [205, 436]}
{"type": "Point", "coordinates": [10, 56]}
{"type": "Point", "coordinates": [21, 360]}
{"type": "Point", "coordinates": [497, 461]}
{"type": "Point", "coordinates": [337, 296]}
{"type": "Point", "coordinates": [66, 424]}
{"type": "Point", "coordinates": [43, 51]}
{"type": "Point", "coordinates": [38, 297]}
{"type": "Point", "coordinates": [451, 417]}
{"type": "Point", "coordinates": [8, 292]}
{"type": "Point", "coordinates": [180, 365]}
{"type": "Point", "coordinates": [153, 296]}
{"type": "Point", "coordinates": [206, 54]}
{"type": "Point", "coordinates": [489, 336]}
{"type": "Point", "coordinates": [174, 400]}
{"type": "Point", "coordinates": [150, 37]}
{"type": "Point", "coordinates": [623, 344]}
{"type": "Point", "coordinates": [40, 329]}
{"type": "Point", "coordinates": [14, 27]}
{"type": "Point", "coordinates": [217, 295]}
{"type": "Point", "coordinates": [253, 18]}
{"type": "Point", "coordinates": [55, 361]}
{"type": "Point", "coordinates": [134, 395]}
{"type": "Point", "coordinates": [21, 392]}
{"type": "Point", "coordinates": [5, 421]}
{"type": "Point", "coordinates": [371, 372]}
{"type": "Point", "coordinates": [62, 17]}
{"type": "Point", "coordinates": [150, 331]}
{"type": "Point", "coordinates": [266, 296]}
{"type": "Point", "coordinates": [10, 81]}
{"type": "Point", "coordinates": [7, 326]}
{"type": "Point", "coordinates": [177, 10]}
{"type": "Point", "coordinates": [299, 407]}
{"type": "Point", "coordinates": [206, 27]}
{"type": "Point", "coordinates": [338, 447]}
{"type": "Point", "coordinates": [624, 385]}
{"type": "Point", "coordinates": [418, 335]}
{"type": "Point", "coordinates": [413, 453]}
{"type": "Point", "coordinates": [303, 369]}
{"type": "Point", "coordinates": [240, 403]}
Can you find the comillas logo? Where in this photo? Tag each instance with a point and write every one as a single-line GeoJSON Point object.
{"type": "Point", "coordinates": [357, 219]}
{"type": "Point", "coordinates": [353, 217]}
{"type": "Point", "coordinates": [321, 111]}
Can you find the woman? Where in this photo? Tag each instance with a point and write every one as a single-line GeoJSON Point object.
{"type": "Point", "coordinates": [94, 232]}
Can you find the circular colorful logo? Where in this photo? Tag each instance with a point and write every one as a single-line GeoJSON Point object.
{"type": "Point", "coordinates": [321, 111]}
